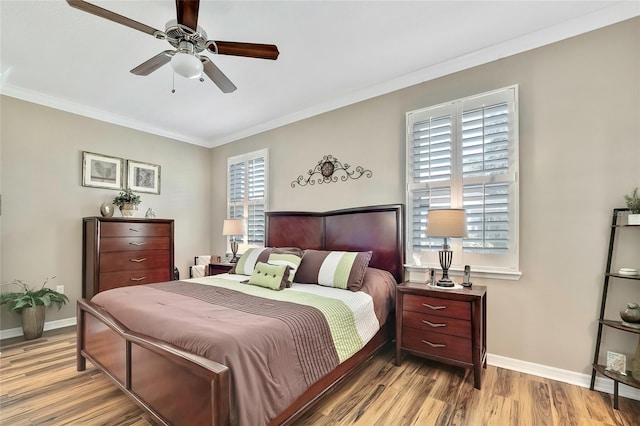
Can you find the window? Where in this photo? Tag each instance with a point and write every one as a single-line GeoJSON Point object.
{"type": "Point", "coordinates": [465, 154]}
{"type": "Point", "coordinates": [247, 193]}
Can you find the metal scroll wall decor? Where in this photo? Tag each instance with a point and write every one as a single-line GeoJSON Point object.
{"type": "Point", "coordinates": [328, 170]}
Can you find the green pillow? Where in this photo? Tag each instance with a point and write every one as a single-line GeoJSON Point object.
{"type": "Point", "coordinates": [289, 259]}
{"type": "Point", "coordinates": [270, 276]}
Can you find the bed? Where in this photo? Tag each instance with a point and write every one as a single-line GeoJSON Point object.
{"type": "Point", "coordinates": [145, 367]}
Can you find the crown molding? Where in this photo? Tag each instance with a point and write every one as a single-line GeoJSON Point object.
{"type": "Point", "coordinates": [85, 111]}
{"type": "Point", "coordinates": [607, 16]}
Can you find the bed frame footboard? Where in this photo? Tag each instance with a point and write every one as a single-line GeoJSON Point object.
{"type": "Point", "coordinates": [174, 386]}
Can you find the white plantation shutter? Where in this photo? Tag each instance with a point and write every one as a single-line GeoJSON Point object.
{"type": "Point", "coordinates": [247, 193]}
{"type": "Point", "coordinates": [464, 154]}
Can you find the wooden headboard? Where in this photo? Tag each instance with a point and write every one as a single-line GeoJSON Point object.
{"type": "Point", "coordinates": [376, 228]}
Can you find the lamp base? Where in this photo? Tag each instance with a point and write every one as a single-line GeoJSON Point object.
{"type": "Point", "coordinates": [445, 282]}
{"type": "Point", "coordinates": [234, 250]}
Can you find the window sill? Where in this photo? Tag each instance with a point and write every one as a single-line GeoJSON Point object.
{"type": "Point", "coordinates": [421, 272]}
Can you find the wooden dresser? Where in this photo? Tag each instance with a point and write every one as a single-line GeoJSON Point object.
{"type": "Point", "coordinates": [120, 252]}
{"type": "Point", "coordinates": [446, 325]}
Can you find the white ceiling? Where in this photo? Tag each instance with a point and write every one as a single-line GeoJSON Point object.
{"type": "Point", "coordinates": [332, 53]}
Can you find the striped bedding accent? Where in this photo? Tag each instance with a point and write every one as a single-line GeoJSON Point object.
{"type": "Point", "coordinates": [341, 269]}
{"type": "Point", "coordinates": [350, 315]}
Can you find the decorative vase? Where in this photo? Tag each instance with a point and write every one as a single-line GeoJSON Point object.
{"type": "Point", "coordinates": [635, 365]}
{"type": "Point", "coordinates": [128, 210]}
{"type": "Point", "coordinates": [106, 210]}
{"type": "Point", "coordinates": [631, 315]}
{"type": "Point", "coordinates": [633, 219]}
{"type": "Point", "coordinates": [33, 322]}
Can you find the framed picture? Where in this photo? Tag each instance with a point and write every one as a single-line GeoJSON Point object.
{"type": "Point", "coordinates": [143, 177]}
{"type": "Point", "coordinates": [102, 171]}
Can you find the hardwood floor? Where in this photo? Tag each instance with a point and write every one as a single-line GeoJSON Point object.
{"type": "Point", "coordinates": [39, 385]}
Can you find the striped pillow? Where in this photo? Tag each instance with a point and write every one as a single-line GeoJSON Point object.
{"type": "Point", "coordinates": [247, 262]}
{"type": "Point", "coordinates": [340, 269]}
{"type": "Point", "coordinates": [278, 257]}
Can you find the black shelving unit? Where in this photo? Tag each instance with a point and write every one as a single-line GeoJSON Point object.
{"type": "Point", "coordinates": [602, 322]}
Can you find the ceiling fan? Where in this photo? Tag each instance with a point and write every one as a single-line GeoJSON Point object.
{"type": "Point", "coordinates": [189, 41]}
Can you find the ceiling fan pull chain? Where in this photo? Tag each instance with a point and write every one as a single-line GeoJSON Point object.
{"type": "Point", "coordinates": [173, 82]}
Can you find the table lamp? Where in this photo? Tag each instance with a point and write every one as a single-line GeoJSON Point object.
{"type": "Point", "coordinates": [232, 228]}
{"type": "Point", "coordinates": [446, 223]}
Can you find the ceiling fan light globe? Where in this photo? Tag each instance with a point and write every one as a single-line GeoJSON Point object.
{"type": "Point", "coordinates": [187, 65]}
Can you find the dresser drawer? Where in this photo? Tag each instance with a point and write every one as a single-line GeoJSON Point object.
{"type": "Point", "coordinates": [109, 280]}
{"type": "Point", "coordinates": [134, 261]}
{"type": "Point", "coordinates": [437, 324]}
{"type": "Point", "coordinates": [437, 306]}
{"type": "Point", "coordinates": [133, 229]}
{"type": "Point", "coordinates": [438, 344]}
{"type": "Point", "coordinates": [134, 243]}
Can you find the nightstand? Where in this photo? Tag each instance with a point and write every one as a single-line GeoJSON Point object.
{"type": "Point", "coordinates": [218, 268]}
{"type": "Point", "coordinates": [448, 326]}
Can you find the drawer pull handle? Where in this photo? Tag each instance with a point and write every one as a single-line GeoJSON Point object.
{"type": "Point", "coordinates": [138, 279]}
{"type": "Point", "coordinates": [435, 308]}
{"type": "Point", "coordinates": [434, 324]}
{"type": "Point", "coordinates": [138, 260]}
{"type": "Point", "coordinates": [137, 244]}
{"type": "Point", "coordinates": [134, 230]}
{"type": "Point", "coordinates": [434, 345]}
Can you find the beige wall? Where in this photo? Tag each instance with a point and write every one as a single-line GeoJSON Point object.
{"type": "Point", "coordinates": [43, 201]}
{"type": "Point", "coordinates": [579, 153]}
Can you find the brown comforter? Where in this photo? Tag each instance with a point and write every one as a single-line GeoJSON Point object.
{"type": "Point", "coordinates": [274, 350]}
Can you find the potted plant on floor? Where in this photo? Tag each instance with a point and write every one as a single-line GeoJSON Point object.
{"type": "Point", "coordinates": [633, 203]}
{"type": "Point", "coordinates": [31, 305]}
{"type": "Point", "coordinates": [128, 203]}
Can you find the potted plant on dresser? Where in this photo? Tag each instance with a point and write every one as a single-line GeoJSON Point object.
{"type": "Point", "coordinates": [128, 203]}
{"type": "Point", "coordinates": [31, 304]}
{"type": "Point", "coordinates": [633, 203]}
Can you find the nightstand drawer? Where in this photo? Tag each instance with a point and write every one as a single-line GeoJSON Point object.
{"type": "Point", "coordinates": [438, 344]}
{"type": "Point", "coordinates": [437, 306]}
{"type": "Point", "coordinates": [218, 268]}
{"type": "Point", "coordinates": [437, 324]}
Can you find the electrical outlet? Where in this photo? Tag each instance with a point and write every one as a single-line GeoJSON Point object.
{"type": "Point", "coordinates": [60, 289]}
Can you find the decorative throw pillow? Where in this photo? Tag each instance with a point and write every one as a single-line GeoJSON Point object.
{"type": "Point", "coordinates": [279, 257]}
{"type": "Point", "coordinates": [340, 269]}
{"type": "Point", "coordinates": [269, 276]}
{"type": "Point", "coordinates": [248, 260]}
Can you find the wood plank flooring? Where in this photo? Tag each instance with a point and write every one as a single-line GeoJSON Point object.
{"type": "Point", "coordinates": [39, 385]}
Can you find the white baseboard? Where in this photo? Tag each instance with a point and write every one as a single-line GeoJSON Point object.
{"type": "Point", "coordinates": [603, 384]}
{"type": "Point", "coordinates": [49, 325]}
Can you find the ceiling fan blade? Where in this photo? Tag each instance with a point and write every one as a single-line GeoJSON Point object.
{"type": "Point", "coordinates": [187, 11]}
{"type": "Point", "coordinates": [147, 67]}
{"type": "Point", "coordinates": [107, 14]}
{"type": "Point", "coordinates": [250, 50]}
{"type": "Point", "coordinates": [217, 76]}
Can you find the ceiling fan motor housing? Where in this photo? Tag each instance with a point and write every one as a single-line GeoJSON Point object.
{"type": "Point", "coordinates": [177, 34]}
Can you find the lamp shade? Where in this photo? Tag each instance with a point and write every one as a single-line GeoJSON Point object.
{"type": "Point", "coordinates": [186, 64]}
{"type": "Point", "coordinates": [233, 227]}
{"type": "Point", "coordinates": [449, 223]}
